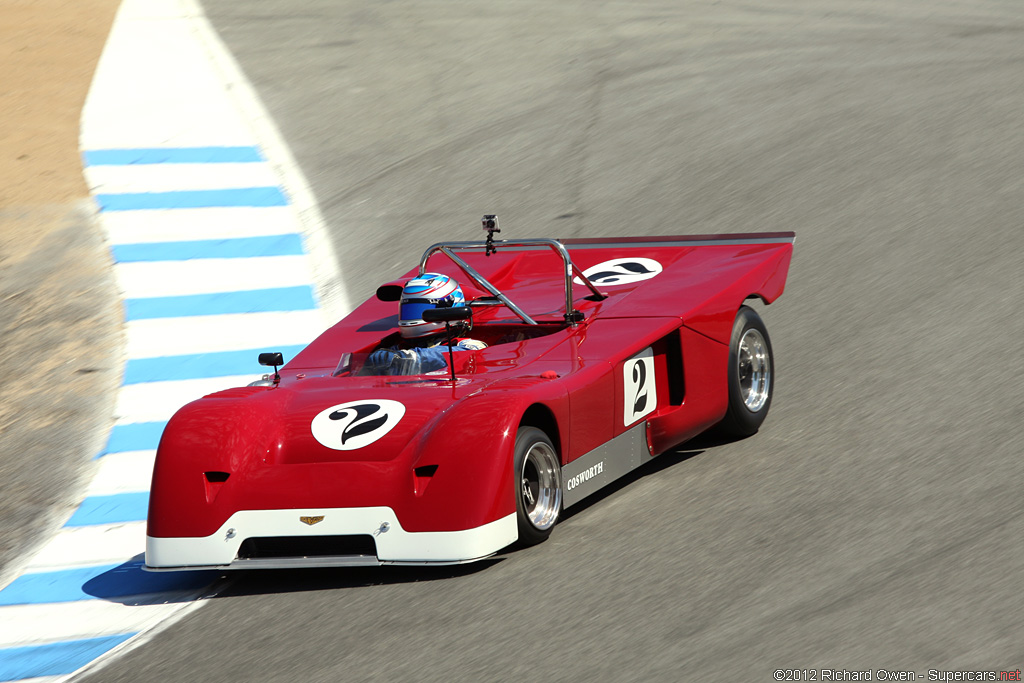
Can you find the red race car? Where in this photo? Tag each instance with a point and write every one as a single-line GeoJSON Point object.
{"type": "Point", "coordinates": [470, 402]}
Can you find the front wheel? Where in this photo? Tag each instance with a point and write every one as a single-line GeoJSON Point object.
{"type": "Point", "coordinates": [751, 370]}
{"type": "Point", "coordinates": [538, 481]}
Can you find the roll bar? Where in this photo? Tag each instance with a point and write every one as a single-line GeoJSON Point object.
{"type": "Point", "coordinates": [572, 316]}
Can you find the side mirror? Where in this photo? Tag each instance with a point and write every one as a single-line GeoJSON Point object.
{"type": "Point", "coordinates": [274, 359]}
{"type": "Point", "coordinates": [389, 292]}
{"type": "Point", "coordinates": [271, 359]}
{"type": "Point", "coordinates": [447, 315]}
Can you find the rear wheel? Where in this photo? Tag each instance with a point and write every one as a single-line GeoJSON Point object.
{"type": "Point", "coordinates": [751, 375]}
{"type": "Point", "coordinates": [538, 482]}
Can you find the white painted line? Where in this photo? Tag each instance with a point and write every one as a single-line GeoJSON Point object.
{"type": "Point", "coordinates": [172, 225]}
{"type": "Point", "coordinates": [157, 401]}
{"type": "Point", "coordinates": [175, 99]}
{"type": "Point", "coordinates": [162, 10]}
{"type": "Point", "coordinates": [171, 177]}
{"type": "Point", "coordinates": [90, 546]}
{"type": "Point", "coordinates": [212, 333]}
{"type": "Point", "coordinates": [203, 276]}
{"type": "Point", "coordinates": [125, 472]}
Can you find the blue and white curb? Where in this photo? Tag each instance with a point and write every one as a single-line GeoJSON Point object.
{"type": "Point", "coordinates": [212, 228]}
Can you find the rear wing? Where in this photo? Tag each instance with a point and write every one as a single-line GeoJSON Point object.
{"type": "Point", "coordinates": [683, 240]}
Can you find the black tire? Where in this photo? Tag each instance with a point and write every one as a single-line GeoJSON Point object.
{"type": "Point", "coordinates": [537, 475]}
{"type": "Point", "coordinates": [751, 376]}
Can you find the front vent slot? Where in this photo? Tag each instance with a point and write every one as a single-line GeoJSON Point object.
{"type": "Point", "coordinates": [278, 547]}
{"type": "Point", "coordinates": [214, 482]}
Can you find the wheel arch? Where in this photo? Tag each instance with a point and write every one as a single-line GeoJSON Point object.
{"type": "Point", "coordinates": [756, 296]}
{"type": "Point", "coordinates": [543, 418]}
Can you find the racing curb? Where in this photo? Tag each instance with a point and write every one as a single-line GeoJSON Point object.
{"type": "Point", "coordinates": [211, 227]}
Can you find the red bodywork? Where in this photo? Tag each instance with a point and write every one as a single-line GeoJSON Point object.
{"type": "Point", "coordinates": [447, 464]}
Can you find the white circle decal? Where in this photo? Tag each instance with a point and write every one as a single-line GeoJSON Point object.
{"type": "Point", "coordinates": [352, 425]}
{"type": "Point", "coordinates": [621, 271]}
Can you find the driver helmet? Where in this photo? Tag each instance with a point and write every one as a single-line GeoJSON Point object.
{"type": "Point", "coordinates": [430, 290]}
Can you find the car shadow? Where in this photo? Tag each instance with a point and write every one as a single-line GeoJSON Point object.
{"type": "Point", "coordinates": [662, 462]}
{"type": "Point", "coordinates": [130, 585]}
{"type": "Point", "coordinates": [681, 453]}
{"type": "Point", "coordinates": [271, 581]}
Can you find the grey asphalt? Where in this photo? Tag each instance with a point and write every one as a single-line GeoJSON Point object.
{"type": "Point", "coordinates": [875, 522]}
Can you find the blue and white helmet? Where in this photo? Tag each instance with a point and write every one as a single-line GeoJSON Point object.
{"type": "Point", "coordinates": [430, 290]}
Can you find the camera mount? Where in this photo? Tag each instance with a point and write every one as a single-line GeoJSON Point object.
{"type": "Point", "coordinates": [490, 223]}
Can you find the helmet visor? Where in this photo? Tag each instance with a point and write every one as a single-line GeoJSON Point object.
{"type": "Point", "coordinates": [411, 310]}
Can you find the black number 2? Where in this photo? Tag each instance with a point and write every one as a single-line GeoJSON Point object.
{"type": "Point", "coordinates": [640, 380]}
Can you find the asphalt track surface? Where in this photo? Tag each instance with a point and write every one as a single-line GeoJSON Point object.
{"type": "Point", "coordinates": [875, 521]}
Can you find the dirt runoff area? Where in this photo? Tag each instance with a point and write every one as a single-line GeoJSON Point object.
{"type": "Point", "coordinates": [60, 321]}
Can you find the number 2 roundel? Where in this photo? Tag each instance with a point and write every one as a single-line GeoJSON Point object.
{"type": "Point", "coordinates": [352, 425]}
{"type": "Point", "coordinates": [640, 393]}
{"type": "Point", "coordinates": [621, 271]}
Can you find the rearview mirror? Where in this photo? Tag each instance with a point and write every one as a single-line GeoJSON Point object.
{"type": "Point", "coordinates": [271, 359]}
{"type": "Point", "coordinates": [389, 292]}
{"type": "Point", "coordinates": [447, 315]}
